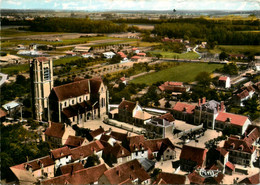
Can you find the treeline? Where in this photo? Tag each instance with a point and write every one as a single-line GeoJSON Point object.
{"type": "Point", "coordinates": [239, 24]}
{"type": "Point", "coordinates": [78, 25]}
{"type": "Point", "coordinates": [222, 34]}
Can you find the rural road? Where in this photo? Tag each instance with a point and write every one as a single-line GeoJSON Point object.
{"type": "Point", "coordinates": [3, 79]}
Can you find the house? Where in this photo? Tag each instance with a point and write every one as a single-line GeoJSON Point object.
{"type": "Point", "coordinates": [20, 46]}
{"type": "Point", "coordinates": [116, 154]}
{"type": "Point", "coordinates": [160, 127]}
{"type": "Point", "coordinates": [135, 58]}
{"type": "Point", "coordinates": [243, 94]}
{"type": "Point", "coordinates": [96, 134]}
{"type": "Point", "coordinates": [58, 133]}
{"type": "Point", "coordinates": [123, 56]}
{"type": "Point", "coordinates": [136, 146]}
{"type": "Point", "coordinates": [141, 54]}
{"type": "Point", "coordinates": [254, 179]}
{"type": "Point", "coordinates": [160, 149]}
{"type": "Point", "coordinates": [135, 50]}
{"type": "Point", "coordinates": [82, 49]}
{"type": "Point", "coordinates": [75, 141]}
{"type": "Point", "coordinates": [61, 156]}
{"type": "Point", "coordinates": [70, 168]}
{"type": "Point", "coordinates": [192, 157]}
{"type": "Point", "coordinates": [147, 164]}
{"type": "Point", "coordinates": [133, 113]}
{"type": "Point", "coordinates": [118, 136]}
{"type": "Point", "coordinates": [11, 107]}
{"type": "Point", "coordinates": [84, 176]}
{"type": "Point", "coordinates": [184, 111]}
{"type": "Point", "coordinates": [224, 81]}
{"type": "Point", "coordinates": [237, 56]}
{"type": "Point", "coordinates": [170, 178]}
{"type": "Point", "coordinates": [31, 171]}
{"type": "Point", "coordinates": [109, 139]}
{"type": "Point", "coordinates": [109, 55]}
{"type": "Point", "coordinates": [127, 173]}
{"type": "Point", "coordinates": [81, 153]}
{"type": "Point", "coordinates": [206, 112]}
{"type": "Point", "coordinates": [87, 55]}
{"type": "Point", "coordinates": [79, 101]}
{"type": "Point", "coordinates": [71, 54]}
{"type": "Point", "coordinates": [243, 151]}
{"type": "Point", "coordinates": [174, 87]}
{"type": "Point", "coordinates": [3, 115]}
{"type": "Point", "coordinates": [122, 80]}
{"type": "Point", "coordinates": [238, 122]}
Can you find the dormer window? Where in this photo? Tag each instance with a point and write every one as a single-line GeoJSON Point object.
{"type": "Point", "coordinates": [232, 146]}
{"type": "Point", "coordinates": [241, 147]}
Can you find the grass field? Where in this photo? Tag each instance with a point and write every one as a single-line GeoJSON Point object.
{"type": "Point", "coordinates": [186, 72]}
{"type": "Point", "coordinates": [189, 55]}
{"type": "Point", "coordinates": [239, 48]}
{"type": "Point", "coordinates": [144, 44]}
{"type": "Point", "coordinates": [12, 32]}
{"type": "Point", "coordinates": [64, 60]}
{"type": "Point", "coordinates": [14, 69]}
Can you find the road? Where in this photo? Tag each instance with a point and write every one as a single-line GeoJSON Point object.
{"type": "Point", "coordinates": [3, 78]}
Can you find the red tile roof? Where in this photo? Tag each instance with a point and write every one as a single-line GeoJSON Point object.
{"type": "Point", "coordinates": [56, 130]}
{"type": "Point", "coordinates": [170, 178]}
{"type": "Point", "coordinates": [243, 94]}
{"type": "Point", "coordinates": [141, 54]}
{"type": "Point", "coordinates": [220, 176]}
{"type": "Point", "coordinates": [179, 106]}
{"type": "Point", "coordinates": [195, 154]}
{"type": "Point", "coordinates": [46, 161]}
{"type": "Point", "coordinates": [73, 89]}
{"type": "Point", "coordinates": [168, 116]}
{"type": "Point", "coordinates": [122, 78]}
{"type": "Point", "coordinates": [42, 59]}
{"type": "Point", "coordinates": [239, 144]}
{"type": "Point", "coordinates": [253, 135]}
{"type": "Point", "coordinates": [84, 176]}
{"type": "Point", "coordinates": [86, 150]}
{"type": "Point", "coordinates": [254, 179]}
{"type": "Point", "coordinates": [195, 178]}
{"type": "Point", "coordinates": [223, 78]}
{"type": "Point", "coordinates": [74, 141]}
{"type": "Point", "coordinates": [95, 84]}
{"type": "Point", "coordinates": [61, 152]}
{"type": "Point", "coordinates": [222, 151]}
{"type": "Point", "coordinates": [2, 113]}
{"type": "Point", "coordinates": [127, 105]}
{"type": "Point", "coordinates": [117, 151]}
{"type": "Point", "coordinates": [135, 57]}
{"type": "Point", "coordinates": [129, 170]}
{"type": "Point", "coordinates": [122, 54]}
{"type": "Point", "coordinates": [118, 136]}
{"type": "Point", "coordinates": [230, 165]}
{"type": "Point", "coordinates": [97, 132]}
{"type": "Point", "coordinates": [134, 49]}
{"type": "Point", "coordinates": [234, 119]}
{"type": "Point", "coordinates": [70, 168]}
{"type": "Point", "coordinates": [136, 142]}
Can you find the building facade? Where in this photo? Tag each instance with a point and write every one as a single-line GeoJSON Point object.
{"type": "Point", "coordinates": [41, 75]}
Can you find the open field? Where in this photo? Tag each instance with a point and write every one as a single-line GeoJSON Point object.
{"type": "Point", "coordinates": [185, 72]}
{"type": "Point", "coordinates": [166, 54]}
{"type": "Point", "coordinates": [64, 60]}
{"type": "Point", "coordinates": [239, 48]}
{"type": "Point", "coordinates": [15, 69]}
{"type": "Point", "coordinates": [12, 32]}
{"type": "Point", "coordinates": [144, 44]}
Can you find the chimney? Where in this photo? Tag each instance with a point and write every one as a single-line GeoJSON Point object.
{"type": "Point", "coordinates": [203, 100]}
{"type": "Point", "coordinates": [222, 106]}
{"type": "Point", "coordinates": [123, 99]}
{"type": "Point", "coordinates": [137, 102]}
{"type": "Point", "coordinates": [199, 102]}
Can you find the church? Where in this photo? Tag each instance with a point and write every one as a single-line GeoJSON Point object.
{"type": "Point", "coordinates": [73, 103]}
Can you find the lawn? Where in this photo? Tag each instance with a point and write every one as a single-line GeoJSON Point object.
{"type": "Point", "coordinates": [186, 72]}
{"type": "Point", "coordinates": [166, 54]}
{"type": "Point", "coordinates": [64, 60]}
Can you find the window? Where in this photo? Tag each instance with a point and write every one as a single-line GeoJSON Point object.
{"type": "Point", "coordinates": [136, 153]}
{"type": "Point", "coordinates": [79, 99]}
{"type": "Point", "coordinates": [46, 73]}
{"type": "Point", "coordinates": [142, 152]}
{"type": "Point", "coordinates": [65, 104]}
{"type": "Point", "coordinates": [72, 101]}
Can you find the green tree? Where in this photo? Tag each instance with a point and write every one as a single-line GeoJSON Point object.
{"type": "Point", "coordinates": [223, 56]}
{"type": "Point", "coordinates": [92, 161]}
{"type": "Point", "coordinates": [203, 79]}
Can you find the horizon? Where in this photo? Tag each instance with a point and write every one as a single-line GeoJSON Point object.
{"type": "Point", "coordinates": [132, 5]}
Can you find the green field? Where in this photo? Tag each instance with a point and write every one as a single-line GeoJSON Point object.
{"type": "Point", "coordinates": [239, 48]}
{"type": "Point", "coordinates": [64, 60]}
{"type": "Point", "coordinates": [166, 54]}
{"type": "Point", "coordinates": [186, 72]}
{"type": "Point", "coordinates": [15, 69]}
{"type": "Point", "coordinates": [12, 32]}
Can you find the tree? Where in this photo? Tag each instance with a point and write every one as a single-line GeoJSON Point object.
{"type": "Point", "coordinates": [223, 56]}
{"type": "Point", "coordinates": [203, 79]}
{"type": "Point", "coordinates": [167, 105]}
{"type": "Point", "coordinates": [92, 161]}
{"type": "Point", "coordinates": [158, 56]}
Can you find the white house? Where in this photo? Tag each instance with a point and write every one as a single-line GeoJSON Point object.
{"type": "Point", "coordinates": [224, 81]}
{"type": "Point", "coordinates": [108, 55]}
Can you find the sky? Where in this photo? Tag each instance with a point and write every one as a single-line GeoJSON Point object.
{"type": "Point", "coordinates": [103, 5]}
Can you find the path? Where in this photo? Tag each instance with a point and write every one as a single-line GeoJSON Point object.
{"type": "Point", "coordinates": [3, 78]}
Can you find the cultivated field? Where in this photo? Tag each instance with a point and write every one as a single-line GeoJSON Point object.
{"type": "Point", "coordinates": [186, 72]}
{"type": "Point", "coordinates": [189, 55]}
